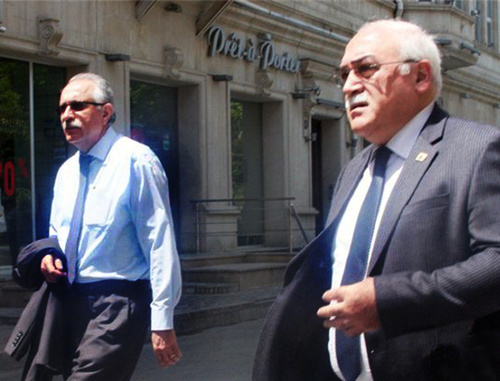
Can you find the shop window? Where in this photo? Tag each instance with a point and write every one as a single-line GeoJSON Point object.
{"type": "Point", "coordinates": [51, 148]}
{"type": "Point", "coordinates": [15, 163]}
{"type": "Point", "coordinates": [459, 4]}
{"type": "Point", "coordinates": [20, 218]}
{"type": "Point", "coordinates": [489, 24]}
{"type": "Point", "coordinates": [486, 23]}
{"type": "Point", "coordinates": [476, 12]}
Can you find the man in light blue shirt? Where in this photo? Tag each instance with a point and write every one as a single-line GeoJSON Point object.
{"type": "Point", "coordinates": [124, 246]}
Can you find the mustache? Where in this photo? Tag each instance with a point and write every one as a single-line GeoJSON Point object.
{"type": "Point", "coordinates": [356, 98]}
{"type": "Point", "coordinates": [71, 124]}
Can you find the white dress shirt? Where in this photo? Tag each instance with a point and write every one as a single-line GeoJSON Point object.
{"type": "Point", "coordinates": [127, 230]}
{"type": "Point", "coordinates": [401, 145]}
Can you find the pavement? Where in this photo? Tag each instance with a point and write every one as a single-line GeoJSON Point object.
{"type": "Point", "coordinates": [217, 332]}
{"type": "Point", "coordinates": [214, 354]}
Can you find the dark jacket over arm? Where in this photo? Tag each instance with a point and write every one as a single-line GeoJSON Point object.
{"type": "Point", "coordinates": [40, 329]}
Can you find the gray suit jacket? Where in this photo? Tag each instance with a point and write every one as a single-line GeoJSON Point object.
{"type": "Point", "coordinates": [40, 331]}
{"type": "Point", "coordinates": [436, 259]}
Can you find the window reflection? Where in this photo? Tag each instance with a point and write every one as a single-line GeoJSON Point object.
{"type": "Point", "coordinates": [15, 162]}
{"type": "Point", "coordinates": [51, 149]}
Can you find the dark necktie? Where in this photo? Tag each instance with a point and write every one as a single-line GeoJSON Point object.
{"type": "Point", "coordinates": [348, 348]}
{"type": "Point", "coordinates": [76, 220]}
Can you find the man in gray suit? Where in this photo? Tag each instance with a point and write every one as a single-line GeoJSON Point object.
{"type": "Point", "coordinates": [421, 300]}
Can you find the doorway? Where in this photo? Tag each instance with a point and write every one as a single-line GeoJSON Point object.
{"type": "Point", "coordinates": [153, 114]}
{"type": "Point", "coordinates": [247, 170]}
{"type": "Point", "coordinates": [317, 174]}
{"type": "Point", "coordinates": [326, 162]}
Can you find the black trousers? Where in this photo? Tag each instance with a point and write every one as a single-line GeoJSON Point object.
{"type": "Point", "coordinates": [108, 324]}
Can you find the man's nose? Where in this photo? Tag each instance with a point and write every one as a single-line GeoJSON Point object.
{"type": "Point", "coordinates": [352, 83]}
{"type": "Point", "coordinates": [66, 113]}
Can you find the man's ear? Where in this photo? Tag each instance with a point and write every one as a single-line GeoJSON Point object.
{"type": "Point", "coordinates": [108, 111]}
{"type": "Point", "coordinates": [424, 79]}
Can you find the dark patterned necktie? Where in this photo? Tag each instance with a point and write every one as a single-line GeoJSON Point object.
{"type": "Point", "coordinates": [76, 220]}
{"type": "Point", "coordinates": [348, 348]}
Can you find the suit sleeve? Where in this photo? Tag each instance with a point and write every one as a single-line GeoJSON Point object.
{"type": "Point", "coordinates": [469, 289]}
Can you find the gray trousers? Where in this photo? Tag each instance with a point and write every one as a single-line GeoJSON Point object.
{"type": "Point", "coordinates": [108, 327]}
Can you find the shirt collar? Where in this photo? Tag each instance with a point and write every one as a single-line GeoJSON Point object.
{"type": "Point", "coordinates": [402, 143]}
{"type": "Point", "coordinates": [101, 148]}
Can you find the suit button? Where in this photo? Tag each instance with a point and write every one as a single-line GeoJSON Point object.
{"type": "Point", "coordinates": [372, 351]}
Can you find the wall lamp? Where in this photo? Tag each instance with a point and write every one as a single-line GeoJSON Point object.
{"type": "Point", "coordinates": [443, 41]}
{"type": "Point", "coordinates": [117, 57]}
{"type": "Point", "coordinates": [472, 49]}
{"type": "Point", "coordinates": [299, 95]}
{"type": "Point", "coordinates": [222, 77]}
{"type": "Point", "coordinates": [306, 132]}
{"type": "Point", "coordinates": [304, 93]}
{"type": "Point", "coordinates": [173, 7]}
{"type": "Point", "coordinates": [328, 102]}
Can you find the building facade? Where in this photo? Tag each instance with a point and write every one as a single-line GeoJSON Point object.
{"type": "Point", "coordinates": [236, 97]}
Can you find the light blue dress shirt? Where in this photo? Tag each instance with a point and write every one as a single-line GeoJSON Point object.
{"type": "Point", "coordinates": [127, 230]}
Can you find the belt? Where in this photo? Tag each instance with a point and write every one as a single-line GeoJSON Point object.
{"type": "Point", "coordinates": [110, 286]}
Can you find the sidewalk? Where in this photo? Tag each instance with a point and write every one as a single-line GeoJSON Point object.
{"type": "Point", "coordinates": [215, 354]}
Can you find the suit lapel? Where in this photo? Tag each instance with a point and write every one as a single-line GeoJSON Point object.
{"type": "Point", "coordinates": [415, 167]}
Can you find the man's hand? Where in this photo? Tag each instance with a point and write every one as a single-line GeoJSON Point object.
{"type": "Point", "coordinates": [52, 268]}
{"type": "Point", "coordinates": [352, 308]}
{"type": "Point", "coordinates": [165, 347]}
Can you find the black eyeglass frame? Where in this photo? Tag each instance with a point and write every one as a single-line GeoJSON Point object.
{"type": "Point", "coordinates": [363, 70]}
{"type": "Point", "coordinates": [76, 106]}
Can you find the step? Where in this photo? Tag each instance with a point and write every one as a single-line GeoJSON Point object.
{"type": "Point", "coordinates": [208, 288]}
{"type": "Point", "coordinates": [278, 257]}
{"type": "Point", "coordinates": [246, 275]}
{"type": "Point", "coordinates": [198, 312]}
{"type": "Point", "coordinates": [213, 259]}
{"type": "Point", "coordinates": [210, 259]}
{"type": "Point", "coordinates": [13, 295]}
{"type": "Point", "coordinates": [194, 312]}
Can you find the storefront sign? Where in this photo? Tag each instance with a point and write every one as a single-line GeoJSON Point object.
{"type": "Point", "coordinates": [236, 47]}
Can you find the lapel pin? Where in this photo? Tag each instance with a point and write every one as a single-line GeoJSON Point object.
{"type": "Point", "coordinates": [421, 157]}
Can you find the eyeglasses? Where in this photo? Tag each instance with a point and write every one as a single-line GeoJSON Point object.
{"type": "Point", "coordinates": [362, 69]}
{"type": "Point", "coordinates": [76, 106]}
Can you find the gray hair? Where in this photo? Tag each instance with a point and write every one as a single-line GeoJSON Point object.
{"type": "Point", "coordinates": [103, 92]}
{"type": "Point", "coordinates": [415, 44]}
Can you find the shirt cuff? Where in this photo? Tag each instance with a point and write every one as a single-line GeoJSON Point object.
{"type": "Point", "coordinates": [162, 320]}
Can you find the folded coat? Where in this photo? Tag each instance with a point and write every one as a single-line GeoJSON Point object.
{"type": "Point", "coordinates": [40, 331]}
